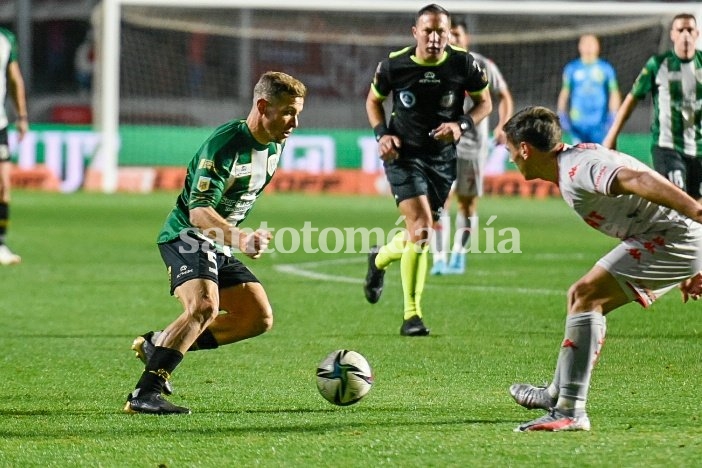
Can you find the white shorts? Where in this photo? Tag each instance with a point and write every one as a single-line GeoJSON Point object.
{"type": "Point", "coordinates": [469, 178]}
{"type": "Point", "coordinates": [648, 267]}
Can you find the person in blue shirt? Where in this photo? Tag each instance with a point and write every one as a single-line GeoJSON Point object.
{"type": "Point", "coordinates": [590, 95]}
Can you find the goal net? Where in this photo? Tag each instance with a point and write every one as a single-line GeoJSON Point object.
{"type": "Point", "coordinates": [195, 66]}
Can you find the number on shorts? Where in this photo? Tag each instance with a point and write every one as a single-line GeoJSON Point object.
{"type": "Point", "coordinates": [676, 177]}
{"type": "Point", "coordinates": [212, 257]}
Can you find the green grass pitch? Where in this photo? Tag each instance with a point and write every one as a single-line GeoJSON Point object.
{"type": "Point", "coordinates": [92, 279]}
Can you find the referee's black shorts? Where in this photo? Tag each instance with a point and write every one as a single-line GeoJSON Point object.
{"type": "Point", "coordinates": [412, 177]}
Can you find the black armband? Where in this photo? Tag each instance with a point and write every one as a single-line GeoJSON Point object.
{"type": "Point", "coordinates": [380, 130]}
{"type": "Point", "coordinates": [466, 123]}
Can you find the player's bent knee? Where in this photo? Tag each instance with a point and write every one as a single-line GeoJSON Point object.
{"type": "Point", "coordinates": [265, 319]}
{"type": "Point", "coordinates": [583, 296]}
{"type": "Point", "coordinates": [204, 311]}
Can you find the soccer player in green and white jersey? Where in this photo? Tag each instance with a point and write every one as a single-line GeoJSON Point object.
{"type": "Point", "coordinates": [224, 179]}
{"type": "Point", "coordinates": [673, 79]}
{"type": "Point", "coordinates": [10, 80]}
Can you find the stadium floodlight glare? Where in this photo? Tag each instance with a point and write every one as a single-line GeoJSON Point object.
{"type": "Point", "coordinates": [333, 47]}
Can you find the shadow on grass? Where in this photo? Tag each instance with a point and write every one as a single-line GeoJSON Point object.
{"type": "Point", "coordinates": [111, 427]}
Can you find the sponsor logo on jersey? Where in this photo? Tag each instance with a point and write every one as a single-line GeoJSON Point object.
{"type": "Point", "coordinates": [184, 270]}
{"type": "Point", "coordinates": [242, 170]}
{"type": "Point", "coordinates": [407, 99]}
{"type": "Point", "coordinates": [430, 78]}
{"type": "Point", "coordinates": [207, 164]}
{"type": "Point", "coordinates": [572, 171]}
{"type": "Point", "coordinates": [203, 184]}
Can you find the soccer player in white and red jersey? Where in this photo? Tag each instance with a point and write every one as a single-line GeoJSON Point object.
{"type": "Point", "coordinates": [661, 247]}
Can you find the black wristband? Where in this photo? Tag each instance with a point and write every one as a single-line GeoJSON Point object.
{"type": "Point", "coordinates": [380, 130]}
{"type": "Point", "coordinates": [466, 123]}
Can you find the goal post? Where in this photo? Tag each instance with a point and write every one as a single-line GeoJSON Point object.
{"type": "Point", "coordinates": [193, 62]}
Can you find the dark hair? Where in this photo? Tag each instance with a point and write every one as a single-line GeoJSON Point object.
{"type": "Point", "coordinates": [535, 125]}
{"type": "Point", "coordinates": [459, 22]}
{"type": "Point", "coordinates": [433, 8]}
{"type": "Point", "coordinates": [684, 16]}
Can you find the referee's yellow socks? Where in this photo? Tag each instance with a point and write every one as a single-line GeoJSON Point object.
{"type": "Point", "coordinates": [413, 271]}
{"type": "Point", "coordinates": [391, 252]}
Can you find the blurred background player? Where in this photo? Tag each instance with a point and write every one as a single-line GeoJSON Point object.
{"type": "Point", "coordinates": [10, 80]}
{"type": "Point", "coordinates": [428, 81]}
{"type": "Point", "coordinates": [674, 81]}
{"type": "Point", "coordinates": [472, 150]}
{"type": "Point", "coordinates": [660, 247]}
{"type": "Point", "coordinates": [590, 95]}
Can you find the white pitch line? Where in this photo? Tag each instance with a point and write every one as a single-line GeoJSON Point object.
{"type": "Point", "coordinates": [304, 270]}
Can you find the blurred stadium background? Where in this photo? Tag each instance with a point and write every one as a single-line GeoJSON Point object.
{"type": "Point", "coordinates": [184, 70]}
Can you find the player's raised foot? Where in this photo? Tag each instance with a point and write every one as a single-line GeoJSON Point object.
{"type": "Point", "coordinates": [151, 403]}
{"type": "Point", "coordinates": [7, 257]}
{"type": "Point", "coordinates": [413, 326]}
{"type": "Point", "coordinates": [556, 421]}
{"type": "Point", "coordinates": [144, 349]}
{"type": "Point", "coordinates": [439, 268]}
{"type": "Point", "coordinates": [532, 397]}
{"type": "Point", "coordinates": [373, 286]}
{"type": "Point", "coordinates": [457, 264]}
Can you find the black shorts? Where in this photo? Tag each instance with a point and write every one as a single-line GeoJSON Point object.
{"type": "Point", "coordinates": [185, 262]}
{"type": "Point", "coordinates": [682, 170]}
{"type": "Point", "coordinates": [412, 177]}
{"type": "Point", "coordinates": [4, 147]}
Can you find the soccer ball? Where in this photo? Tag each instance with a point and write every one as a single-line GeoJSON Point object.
{"type": "Point", "coordinates": [344, 377]}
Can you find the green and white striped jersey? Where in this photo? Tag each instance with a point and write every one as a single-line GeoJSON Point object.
{"type": "Point", "coordinates": [228, 173]}
{"type": "Point", "coordinates": [676, 88]}
{"type": "Point", "coordinates": [8, 54]}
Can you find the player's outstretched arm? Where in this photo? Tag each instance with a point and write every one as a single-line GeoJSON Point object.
{"type": "Point", "coordinates": [654, 187]}
{"type": "Point", "coordinates": [623, 114]}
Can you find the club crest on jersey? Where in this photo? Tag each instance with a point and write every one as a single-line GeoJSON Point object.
{"type": "Point", "coordinates": [447, 100]}
{"type": "Point", "coordinates": [242, 170]}
{"type": "Point", "coordinates": [273, 163]}
{"type": "Point", "coordinates": [407, 99]}
{"type": "Point", "coordinates": [203, 184]}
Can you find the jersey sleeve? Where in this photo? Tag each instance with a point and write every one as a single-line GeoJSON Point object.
{"type": "Point", "coordinates": [612, 83]}
{"type": "Point", "coordinates": [477, 76]}
{"type": "Point", "coordinates": [381, 85]}
{"type": "Point", "coordinates": [497, 81]}
{"type": "Point", "coordinates": [644, 81]}
{"type": "Point", "coordinates": [210, 173]}
{"type": "Point", "coordinates": [12, 40]}
{"type": "Point", "coordinates": [567, 77]}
